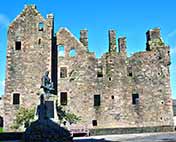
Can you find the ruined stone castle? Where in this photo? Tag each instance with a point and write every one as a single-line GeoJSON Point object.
{"type": "Point", "coordinates": [111, 92]}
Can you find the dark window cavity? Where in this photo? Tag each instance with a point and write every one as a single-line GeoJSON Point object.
{"type": "Point", "coordinates": [97, 100]}
{"type": "Point", "coordinates": [130, 71]}
{"type": "Point", "coordinates": [16, 99]}
{"type": "Point", "coordinates": [174, 107]}
{"type": "Point", "coordinates": [130, 74]}
{"type": "Point", "coordinates": [1, 122]}
{"type": "Point", "coordinates": [63, 98]}
{"type": "Point", "coordinates": [94, 122]}
{"type": "Point", "coordinates": [39, 41]}
{"type": "Point", "coordinates": [135, 99]}
{"type": "Point", "coordinates": [63, 72]}
{"type": "Point", "coordinates": [18, 45]}
{"type": "Point", "coordinates": [100, 71]}
{"type": "Point", "coordinates": [112, 97]}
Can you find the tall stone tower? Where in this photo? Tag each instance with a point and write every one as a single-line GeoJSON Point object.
{"type": "Point", "coordinates": [28, 57]}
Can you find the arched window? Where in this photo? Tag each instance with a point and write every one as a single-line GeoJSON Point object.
{"type": "Point", "coordinates": [61, 50]}
{"type": "Point", "coordinates": [72, 52]}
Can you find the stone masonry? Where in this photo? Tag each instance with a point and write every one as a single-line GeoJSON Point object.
{"type": "Point", "coordinates": [113, 91]}
{"type": "Point", "coordinates": [1, 107]}
{"type": "Point", "coordinates": [26, 66]}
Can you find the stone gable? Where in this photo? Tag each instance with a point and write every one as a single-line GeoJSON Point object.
{"type": "Point", "coordinates": [112, 91]}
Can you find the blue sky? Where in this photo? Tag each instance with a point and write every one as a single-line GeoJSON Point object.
{"type": "Point", "coordinates": [131, 18]}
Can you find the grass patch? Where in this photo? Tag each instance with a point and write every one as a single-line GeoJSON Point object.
{"type": "Point", "coordinates": [1, 129]}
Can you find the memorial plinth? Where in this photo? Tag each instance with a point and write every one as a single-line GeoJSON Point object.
{"type": "Point", "coordinates": [45, 128]}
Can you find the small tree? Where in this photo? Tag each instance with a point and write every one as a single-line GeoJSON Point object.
{"type": "Point", "coordinates": [24, 117]}
{"type": "Point", "coordinates": [72, 118]}
{"type": "Point", "coordinates": [66, 116]}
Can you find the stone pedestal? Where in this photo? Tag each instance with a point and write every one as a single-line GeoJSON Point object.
{"type": "Point", "coordinates": [46, 131]}
{"type": "Point", "coordinates": [51, 102]}
{"type": "Point", "coordinates": [46, 128]}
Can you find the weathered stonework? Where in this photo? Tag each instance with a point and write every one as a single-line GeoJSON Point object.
{"type": "Point", "coordinates": [149, 78]}
{"type": "Point", "coordinates": [114, 76]}
{"type": "Point", "coordinates": [26, 66]}
{"type": "Point", "coordinates": [1, 107]}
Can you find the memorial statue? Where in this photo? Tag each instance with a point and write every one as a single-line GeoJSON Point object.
{"type": "Point", "coordinates": [45, 129]}
{"type": "Point", "coordinates": [47, 85]}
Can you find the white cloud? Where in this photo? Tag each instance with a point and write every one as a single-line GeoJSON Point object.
{"type": "Point", "coordinates": [4, 21]}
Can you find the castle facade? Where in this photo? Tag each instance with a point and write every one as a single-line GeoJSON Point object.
{"type": "Point", "coordinates": [114, 91]}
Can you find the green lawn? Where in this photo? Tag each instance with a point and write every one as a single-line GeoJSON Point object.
{"type": "Point", "coordinates": [1, 129]}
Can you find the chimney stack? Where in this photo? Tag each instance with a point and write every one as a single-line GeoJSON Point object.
{"type": "Point", "coordinates": [154, 39]}
{"type": "Point", "coordinates": [122, 45]}
{"type": "Point", "coordinates": [112, 41]}
{"type": "Point", "coordinates": [84, 37]}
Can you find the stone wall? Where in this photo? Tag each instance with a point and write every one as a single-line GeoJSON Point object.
{"type": "Point", "coordinates": [1, 107]}
{"type": "Point", "coordinates": [132, 91]}
{"type": "Point", "coordinates": [174, 111]}
{"type": "Point", "coordinates": [131, 130]}
{"type": "Point", "coordinates": [145, 74]}
{"type": "Point", "coordinates": [25, 66]}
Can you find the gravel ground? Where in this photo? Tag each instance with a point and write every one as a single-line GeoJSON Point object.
{"type": "Point", "coordinates": [145, 137]}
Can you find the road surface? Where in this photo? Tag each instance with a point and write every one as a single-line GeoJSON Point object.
{"type": "Point", "coordinates": [145, 137]}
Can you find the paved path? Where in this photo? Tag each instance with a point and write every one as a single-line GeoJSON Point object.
{"type": "Point", "coordinates": [145, 137]}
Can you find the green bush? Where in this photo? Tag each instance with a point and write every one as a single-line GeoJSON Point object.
{"type": "Point", "coordinates": [24, 117]}
{"type": "Point", "coordinates": [67, 116]}
{"type": "Point", "coordinates": [1, 129]}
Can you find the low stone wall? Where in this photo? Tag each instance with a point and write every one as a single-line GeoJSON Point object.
{"type": "Point", "coordinates": [15, 136]}
{"type": "Point", "coordinates": [11, 136]}
{"type": "Point", "coordinates": [109, 131]}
